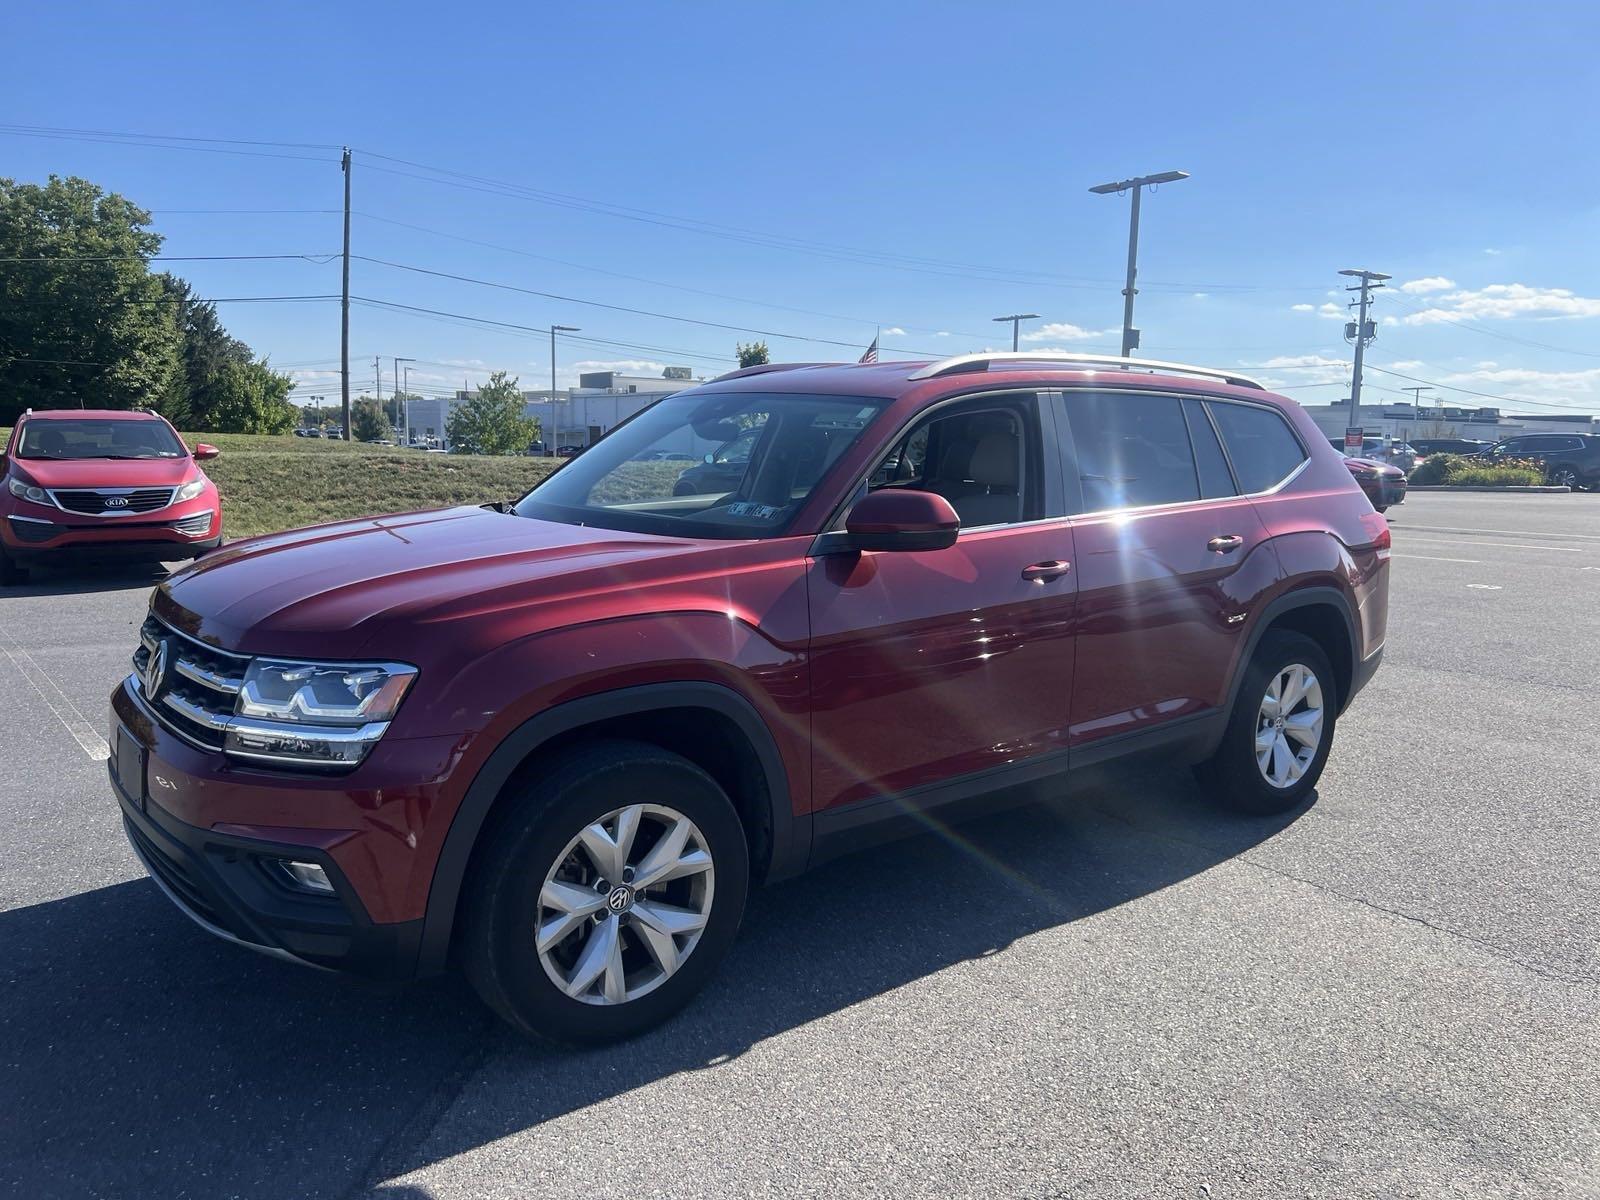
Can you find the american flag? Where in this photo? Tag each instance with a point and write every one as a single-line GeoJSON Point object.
{"type": "Point", "coordinates": [871, 356]}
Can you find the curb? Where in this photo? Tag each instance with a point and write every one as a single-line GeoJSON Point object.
{"type": "Point", "coordinates": [1479, 487]}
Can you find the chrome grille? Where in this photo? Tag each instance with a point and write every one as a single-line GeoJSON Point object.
{"type": "Point", "coordinates": [103, 502]}
{"type": "Point", "coordinates": [192, 687]}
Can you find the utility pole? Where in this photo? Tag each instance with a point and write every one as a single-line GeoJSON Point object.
{"type": "Point", "coordinates": [396, 382]}
{"type": "Point", "coordinates": [1016, 320]}
{"type": "Point", "coordinates": [1360, 331]}
{"type": "Point", "coordinates": [405, 414]}
{"type": "Point", "coordinates": [1416, 395]}
{"type": "Point", "coordinates": [344, 300]}
{"type": "Point", "coordinates": [1130, 335]}
{"type": "Point", "coordinates": [550, 444]}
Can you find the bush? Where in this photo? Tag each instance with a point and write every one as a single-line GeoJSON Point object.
{"type": "Point", "coordinates": [1461, 471]}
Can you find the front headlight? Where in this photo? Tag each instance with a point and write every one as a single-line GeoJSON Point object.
{"type": "Point", "coordinates": [26, 491]}
{"type": "Point", "coordinates": [315, 714]}
{"type": "Point", "coordinates": [189, 490]}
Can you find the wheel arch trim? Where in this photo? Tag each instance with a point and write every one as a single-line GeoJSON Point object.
{"type": "Point", "coordinates": [791, 833]}
{"type": "Point", "coordinates": [1311, 596]}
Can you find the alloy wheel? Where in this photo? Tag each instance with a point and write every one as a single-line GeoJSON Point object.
{"type": "Point", "coordinates": [625, 904]}
{"type": "Point", "coordinates": [1289, 725]}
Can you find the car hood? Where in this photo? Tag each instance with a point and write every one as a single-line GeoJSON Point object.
{"type": "Point", "coordinates": [105, 472]}
{"type": "Point", "coordinates": [331, 590]}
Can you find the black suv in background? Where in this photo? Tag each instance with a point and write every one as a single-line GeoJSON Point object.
{"type": "Point", "coordinates": [1449, 445]}
{"type": "Point", "coordinates": [1571, 459]}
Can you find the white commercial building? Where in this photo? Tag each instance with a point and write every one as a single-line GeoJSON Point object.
{"type": "Point", "coordinates": [1406, 421]}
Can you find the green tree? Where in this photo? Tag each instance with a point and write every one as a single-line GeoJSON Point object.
{"type": "Point", "coordinates": [205, 348]}
{"type": "Point", "coordinates": [82, 319]}
{"type": "Point", "coordinates": [368, 421]}
{"type": "Point", "coordinates": [753, 355]}
{"type": "Point", "coordinates": [491, 421]}
{"type": "Point", "coordinates": [248, 397]}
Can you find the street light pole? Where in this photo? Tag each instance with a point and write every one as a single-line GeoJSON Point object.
{"type": "Point", "coordinates": [550, 445]}
{"type": "Point", "coordinates": [397, 361]}
{"type": "Point", "coordinates": [405, 415]}
{"type": "Point", "coordinates": [1016, 320]}
{"type": "Point", "coordinates": [1130, 335]}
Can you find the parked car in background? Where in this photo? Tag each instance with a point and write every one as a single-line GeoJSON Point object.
{"type": "Point", "coordinates": [1384, 485]}
{"type": "Point", "coordinates": [569, 451]}
{"type": "Point", "coordinates": [89, 483]}
{"type": "Point", "coordinates": [1569, 459]}
{"type": "Point", "coordinates": [536, 449]}
{"type": "Point", "coordinates": [1449, 445]}
{"type": "Point", "coordinates": [1383, 450]}
{"type": "Point", "coordinates": [557, 744]}
{"type": "Point", "coordinates": [721, 470]}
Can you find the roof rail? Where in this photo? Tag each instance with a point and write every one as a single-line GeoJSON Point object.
{"type": "Point", "coordinates": [763, 369]}
{"type": "Point", "coordinates": [982, 362]}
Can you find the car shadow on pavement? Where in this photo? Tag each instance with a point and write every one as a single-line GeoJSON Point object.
{"type": "Point", "coordinates": [139, 1056]}
{"type": "Point", "coordinates": [82, 578]}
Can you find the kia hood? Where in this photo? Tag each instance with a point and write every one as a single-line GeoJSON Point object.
{"type": "Point", "coordinates": [105, 472]}
{"type": "Point", "coordinates": [331, 590]}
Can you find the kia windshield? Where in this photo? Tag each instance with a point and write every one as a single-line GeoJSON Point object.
{"type": "Point", "coordinates": [719, 465]}
{"type": "Point", "coordinates": [98, 439]}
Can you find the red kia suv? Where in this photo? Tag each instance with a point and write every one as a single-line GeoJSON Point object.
{"type": "Point", "coordinates": [555, 742]}
{"type": "Point", "coordinates": [103, 484]}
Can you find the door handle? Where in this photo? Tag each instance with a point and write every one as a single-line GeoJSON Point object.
{"type": "Point", "coordinates": [1225, 543]}
{"type": "Point", "coordinates": [1039, 572]}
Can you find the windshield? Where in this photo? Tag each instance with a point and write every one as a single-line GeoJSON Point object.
{"type": "Point", "coordinates": [98, 439]}
{"type": "Point", "coordinates": [728, 465]}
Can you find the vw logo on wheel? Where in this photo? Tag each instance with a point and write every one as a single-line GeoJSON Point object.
{"type": "Point", "coordinates": [116, 502]}
{"type": "Point", "coordinates": [620, 900]}
{"type": "Point", "coordinates": [155, 669]}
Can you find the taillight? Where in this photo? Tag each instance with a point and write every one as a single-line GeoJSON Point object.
{"type": "Point", "coordinates": [1377, 530]}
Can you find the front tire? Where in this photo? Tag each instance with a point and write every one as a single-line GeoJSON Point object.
{"type": "Point", "coordinates": [606, 896]}
{"type": "Point", "coordinates": [1280, 731]}
{"type": "Point", "coordinates": [1564, 477]}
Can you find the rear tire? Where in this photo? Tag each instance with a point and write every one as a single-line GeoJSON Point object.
{"type": "Point", "coordinates": [543, 875]}
{"type": "Point", "coordinates": [1564, 477]}
{"type": "Point", "coordinates": [1380, 508]}
{"type": "Point", "coordinates": [1272, 752]}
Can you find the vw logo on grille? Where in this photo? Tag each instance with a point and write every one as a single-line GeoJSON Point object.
{"type": "Point", "coordinates": [155, 669]}
{"type": "Point", "coordinates": [116, 502]}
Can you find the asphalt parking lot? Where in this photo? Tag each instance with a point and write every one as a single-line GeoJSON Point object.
{"type": "Point", "coordinates": [1395, 992]}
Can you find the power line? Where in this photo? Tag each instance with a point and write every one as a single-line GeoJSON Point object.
{"type": "Point", "coordinates": [168, 137]}
{"type": "Point", "coordinates": [127, 141]}
{"type": "Point", "coordinates": [319, 259]}
{"type": "Point", "coordinates": [809, 312]}
{"type": "Point", "coordinates": [1450, 387]}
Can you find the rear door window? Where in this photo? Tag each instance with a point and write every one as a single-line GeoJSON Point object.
{"type": "Point", "coordinates": [1262, 448]}
{"type": "Point", "coordinates": [1131, 450]}
{"type": "Point", "coordinates": [1216, 480]}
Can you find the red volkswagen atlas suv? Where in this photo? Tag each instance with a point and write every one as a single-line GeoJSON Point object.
{"type": "Point", "coordinates": [103, 484]}
{"type": "Point", "coordinates": [556, 742]}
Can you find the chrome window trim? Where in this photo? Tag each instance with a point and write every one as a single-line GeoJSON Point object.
{"type": "Point", "coordinates": [99, 491]}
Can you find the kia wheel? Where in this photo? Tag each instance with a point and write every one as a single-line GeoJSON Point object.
{"type": "Point", "coordinates": [1281, 728]}
{"type": "Point", "coordinates": [606, 895]}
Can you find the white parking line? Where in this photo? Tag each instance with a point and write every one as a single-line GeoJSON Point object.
{"type": "Point", "coordinates": [1431, 558]}
{"type": "Point", "coordinates": [1538, 533]}
{"type": "Point", "coordinates": [1508, 545]}
{"type": "Point", "coordinates": [56, 700]}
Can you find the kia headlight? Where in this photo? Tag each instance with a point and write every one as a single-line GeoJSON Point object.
{"type": "Point", "coordinates": [315, 713]}
{"type": "Point", "coordinates": [26, 491]}
{"type": "Point", "coordinates": [189, 491]}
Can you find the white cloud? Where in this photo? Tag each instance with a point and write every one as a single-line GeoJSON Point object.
{"type": "Point", "coordinates": [1202, 295]}
{"type": "Point", "coordinates": [1490, 250]}
{"type": "Point", "coordinates": [1331, 311]}
{"type": "Point", "coordinates": [1302, 308]}
{"type": "Point", "coordinates": [894, 331]}
{"type": "Point", "coordinates": [1408, 364]}
{"type": "Point", "coordinates": [942, 333]}
{"type": "Point", "coordinates": [633, 366]}
{"type": "Point", "coordinates": [1506, 301]}
{"type": "Point", "coordinates": [1433, 283]}
{"type": "Point", "coordinates": [1301, 360]}
{"type": "Point", "coordinates": [1526, 381]}
{"type": "Point", "coordinates": [1064, 331]}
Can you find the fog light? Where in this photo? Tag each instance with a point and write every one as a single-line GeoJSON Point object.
{"type": "Point", "coordinates": [307, 877]}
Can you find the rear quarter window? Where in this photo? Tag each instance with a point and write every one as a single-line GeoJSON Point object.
{"type": "Point", "coordinates": [1263, 449]}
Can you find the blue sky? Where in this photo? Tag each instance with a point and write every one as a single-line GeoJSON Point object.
{"type": "Point", "coordinates": [923, 167]}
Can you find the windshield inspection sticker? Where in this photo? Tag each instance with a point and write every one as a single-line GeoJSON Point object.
{"type": "Point", "coordinates": [762, 512]}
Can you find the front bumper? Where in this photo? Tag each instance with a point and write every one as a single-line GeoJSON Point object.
{"type": "Point", "coordinates": [227, 884]}
{"type": "Point", "coordinates": [43, 534]}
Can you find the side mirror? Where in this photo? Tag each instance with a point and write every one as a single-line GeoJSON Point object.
{"type": "Point", "coordinates": [902, 519]}
{"type": "Point", "coordinates": [203, 451]}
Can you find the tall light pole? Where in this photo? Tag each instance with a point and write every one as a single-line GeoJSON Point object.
{"type": "Point", "coordinates": [1016, 320]}
{"type": "Point", "coordinates": [1130, 335]}
{"type": "Point", "coordinates": [550, 444]}
{"type": "Point", "coordinates": [1361, 331]}
{"type": "Point", "coordinates": [397, 361]}
{"type": "Point", "coordinates": [405, 415]}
